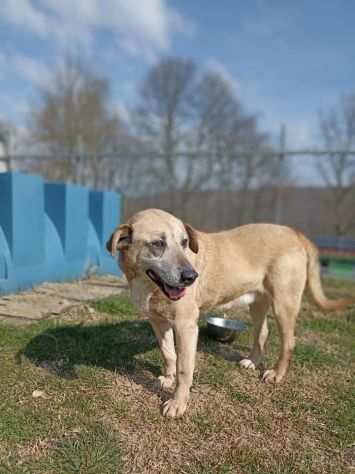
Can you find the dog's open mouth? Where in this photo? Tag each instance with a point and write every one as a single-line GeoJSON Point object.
{"type": "Point", "coordinates": [174, 293]}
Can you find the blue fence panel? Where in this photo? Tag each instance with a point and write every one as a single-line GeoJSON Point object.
{"type": "Point", "coordinates": [101, 208]}
{"type": "Point", "coordinates": [53, 231]}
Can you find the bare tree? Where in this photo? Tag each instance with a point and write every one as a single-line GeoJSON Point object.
{"type": "Point", "coordinates": [337, 129]}
{"type": "Point", "coordinates": [164, 108]}
{"type": "Point", "coordinates": [194, 129]}
{"type": "Point", "coordinates": [235, 145]}
{"type": "Point", "coordinates": [73, 116]}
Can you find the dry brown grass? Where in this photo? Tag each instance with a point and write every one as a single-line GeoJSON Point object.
{"type": "Point", "coordinates": [101, 414]}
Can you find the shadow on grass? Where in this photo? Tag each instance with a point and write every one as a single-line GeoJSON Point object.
{"type": "Point", "coordinates": [118, 347]}
{"type": "Point", "coordinates": [125, 347]}
{"type": "Point", "coordinates": [230, 351]}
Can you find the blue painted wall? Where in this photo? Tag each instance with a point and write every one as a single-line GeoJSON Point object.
{"type": "Point", "coordinates": [53, 231]}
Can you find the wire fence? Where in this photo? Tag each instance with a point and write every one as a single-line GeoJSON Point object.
{"type": "Point", "coordinates": [293, 187]}
{"type": "Point", "coordinates": [121, 169]}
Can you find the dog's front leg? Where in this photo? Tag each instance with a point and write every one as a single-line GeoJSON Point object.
{"type": "Point", "coordinates": [186, 332]}
{"type": "Point", "coordinates": [164, 332]}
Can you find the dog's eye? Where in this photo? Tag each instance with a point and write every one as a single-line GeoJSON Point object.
{"type": "Point", "coordinates": [159, 244]}
{"type": "Point", "coordinates": [184, 243]}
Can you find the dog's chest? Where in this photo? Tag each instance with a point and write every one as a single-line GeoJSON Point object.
{"type": "Point", "coordinates": [148, 300]}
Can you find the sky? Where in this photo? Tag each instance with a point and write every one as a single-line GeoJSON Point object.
{"type": "Point", "coordinates": [286, 59]}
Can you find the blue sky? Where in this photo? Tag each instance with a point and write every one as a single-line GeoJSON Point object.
{"type": "Point", "coordinates": [285, 59]}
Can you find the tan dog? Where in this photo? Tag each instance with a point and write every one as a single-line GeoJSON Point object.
{"type": "Point", "coordinates": [175, 271]}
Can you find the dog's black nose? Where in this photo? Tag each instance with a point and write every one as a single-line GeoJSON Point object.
{"type": "Point", "coordinates": [188, 276]}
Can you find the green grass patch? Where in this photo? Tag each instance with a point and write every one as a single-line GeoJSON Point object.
{"type": "Point", "coordinates": [329, 326]}
{"type": "Point", "coordinates": [217, 371]}
{"type": "Point", "coordinates": [339, 413]}
{"type": "Point", "coordinates": [22, 423]}
{"type": "Point", "coordinates": [93, 451]}
{"type": "Point", "coordinates": [118, 306]}
{"type": "Point", "coordinates": [338, 333]}
{"type": "Point", "coordinates": [312, 356]}
{"type": "Point", "coordinates": [339, 283]}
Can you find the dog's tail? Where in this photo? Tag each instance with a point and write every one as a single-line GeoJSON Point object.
{"type": "Point", "coordinates": [314, 281]}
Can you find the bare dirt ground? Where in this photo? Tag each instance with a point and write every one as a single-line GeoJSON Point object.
{"type": "Point", "coordinates": [52, 299]}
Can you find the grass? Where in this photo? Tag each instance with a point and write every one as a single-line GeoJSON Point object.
{"type": "Point", "coordinates": [90, 452]}
{"type": "Point", "coordinates": [98, 409]}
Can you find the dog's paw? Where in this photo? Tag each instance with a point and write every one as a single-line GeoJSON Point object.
{"type": "Point", "coordinates": [173, 408]}
{"type": "Point", "coordinates": [166, 382]}
{"type": "Point", "coordinates": [271, 376]}
{"type": "Point", "coordinates": [247, 364]}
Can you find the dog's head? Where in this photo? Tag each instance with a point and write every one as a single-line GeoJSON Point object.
{"type": "Point", "coordinates": [157, 245]}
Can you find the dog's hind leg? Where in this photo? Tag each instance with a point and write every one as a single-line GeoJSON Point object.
{"type": "Point", "coordinates": [258, 312]}
{"type": "Point", "coordinates": [285, 283]}
{"type": "Point", "coordinates": [165, 335]}
{"type": "Point", "coordinates": [285, 311]}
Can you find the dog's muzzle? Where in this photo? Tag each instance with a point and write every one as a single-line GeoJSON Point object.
{"type": "Point", "coordinates": [174, 293]}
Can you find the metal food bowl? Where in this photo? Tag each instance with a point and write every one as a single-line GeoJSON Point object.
{"type": "Point", "coordinates": [224, 330]}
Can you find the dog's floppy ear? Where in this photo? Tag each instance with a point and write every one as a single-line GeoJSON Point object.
{"type": "Point", "coordinates": [119, 239]}
{"type": "Point", "coordinates": [193, 238]}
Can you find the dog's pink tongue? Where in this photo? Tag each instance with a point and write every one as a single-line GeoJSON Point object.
{"type": "Point", "coordinates": [175, 293]}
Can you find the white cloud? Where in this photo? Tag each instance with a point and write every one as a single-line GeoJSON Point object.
{"type": "Point", "coordinates": [23, 14]}
{"type": "Point", "coordinates": [140, 27]}
{"type": "Point", "coordinates": [218, 67]}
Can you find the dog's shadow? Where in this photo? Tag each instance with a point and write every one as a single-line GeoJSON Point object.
{"type": "Point", "coordinates": [118, 347]}
{"type": "Point", "coordinates": [230, 351]}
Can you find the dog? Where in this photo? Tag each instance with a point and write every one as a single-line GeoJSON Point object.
{"type": "Point", "coordinates": [175, 271]}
